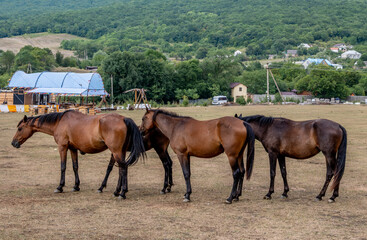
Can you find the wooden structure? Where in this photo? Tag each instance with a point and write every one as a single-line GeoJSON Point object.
{"type": "Point", "coordinates": [6, 97]}
{"type": "Point", "coordinates": [268, 70]}
{"type": "Point", "coordinates": [140, 96]}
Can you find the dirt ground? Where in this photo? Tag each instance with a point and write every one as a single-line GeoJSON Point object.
{"type": "Point", "coordinates": [30, 210]}
{"type": "Point", "coordinates": [42, 40]}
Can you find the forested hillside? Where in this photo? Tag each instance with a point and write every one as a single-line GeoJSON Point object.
{"type": "Point", "coordinates": [186, 26]}
{"type": "Point", "coordinates": [134, 43]}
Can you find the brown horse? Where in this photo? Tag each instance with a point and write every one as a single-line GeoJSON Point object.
{"type": "Point", "coordinates": [89, 134]}
{"type": "Point", "coordinates": [282, 138]}
{"type": "Point", "coordinates": [156, 140]}
{"type": "Point", "coordinates": [205, 139]}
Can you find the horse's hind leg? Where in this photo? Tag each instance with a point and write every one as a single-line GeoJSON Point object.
{"type": "Point", "coordinates": [273, 164]}
{"type": "Point", "coordinates": [330, 168]}
{"type": "Point", "coordinates": [236, 172]}
{"type": "Point", "coordinates": [283, 170]}
{"type": "Point", "coordinates": [109, 169]}
{"type": "Point", "coordinates": [242, 175]}
{"type": "Point", "coordinates": [74, 157]}
{"type": "Point", "coordinates": [122, 181]}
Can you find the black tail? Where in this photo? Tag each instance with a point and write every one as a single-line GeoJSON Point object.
{"type": "Point", "coordinates": [250, 150]}
{"type": "Point", "coordinates": [135, 141]}
{"type": "Point", "coordinates": [340, 165]}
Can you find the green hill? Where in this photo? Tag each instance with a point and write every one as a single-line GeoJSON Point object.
{"type": "Point", "coordinates": [181, 26]}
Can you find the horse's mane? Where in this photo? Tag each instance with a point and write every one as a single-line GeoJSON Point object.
{"type": "Point", "coordinates": [45, 118]}
{"type": "Point", "coordinates": [262, 120]}
{"type": "Point", "coordinates": [167, 113]}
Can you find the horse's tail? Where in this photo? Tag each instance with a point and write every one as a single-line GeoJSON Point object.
{"type": "Point", "coordinates": [135, 141]}
{"type": "Point", "coordinates": [340, 165]}
{"type": "Point", "coordinates": [250, 140]}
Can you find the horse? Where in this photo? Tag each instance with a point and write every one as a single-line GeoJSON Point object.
{"type": "Point", "coordinates": [89, 134]}
{"type": "Point", "coordinates": [205, 139]}
{"type": "Point", "coordinates": [283, 137]}
{"type": "Point", "coordinates": [159, 142]}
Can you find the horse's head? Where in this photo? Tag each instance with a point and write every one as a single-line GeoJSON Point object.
{"type": "Point", "coordinates": [24, 132]}
{"type": "Point", "coordinates": [147, 122]}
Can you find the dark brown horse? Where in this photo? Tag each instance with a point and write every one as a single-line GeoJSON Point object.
{"type": "Point", "coordinates": [154, 139]}
{"type": "Point", "coordinates": [189, 137]}
{"type": "Point", "coordinates": [282, 138]}
{"type": "Point", "coordinates": [89, 134]}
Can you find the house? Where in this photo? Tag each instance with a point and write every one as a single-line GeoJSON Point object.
{"type": "Point", "coordinates": [315, 61]}
{"type": "Point", "coordinates": [304, 45]}
{"type": "Point", "coordinates": [334, 49]}
{"type": "Point", "coordinates": [337, 66]}
{"type": "Point", "coordinates": [341, 47]}
{"type": "Point", "coordinates": [238, 90]}
{"type": "Point", "coordinates": [238, 52]}
{"type": "Point", "coordinates": [292, 53]}
{"type": "Point", "coordinates": [271, 56]}
{"type": "Point", "coordinates": [352, 54]}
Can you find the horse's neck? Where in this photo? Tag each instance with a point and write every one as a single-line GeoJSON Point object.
{"type": "Point", "coordinates": [258, 130]}
{"type": "Point", "coordinates": [166, 124]}
{"type": "Point", "coordinates": [45, 128]}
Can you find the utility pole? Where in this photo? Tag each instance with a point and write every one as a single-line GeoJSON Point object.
{"type": "Point", "coordinates": [267, 83]}
{"type": "Point", "coordinates": [111, 91]}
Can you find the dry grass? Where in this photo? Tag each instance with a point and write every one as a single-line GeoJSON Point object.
{"type": "Point", "coordinates": [30, 210]}
{"type": "Point", "coordinates": [42, 40]}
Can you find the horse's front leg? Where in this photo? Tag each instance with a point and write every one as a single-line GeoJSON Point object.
{"type": "Point", "coordinates": [283, 170]}
{"type": "Point", "coordinates": [167, 165]}
{"type": "Point", "coordinates": [63, 151]}
{"type": "Point", "coordinates": [273, 164]}
{"type": "Point", "coordinates": [109, 169]}
{"type": "Point", "coordinates": [185, 165]}
{"type": "Point", "coordinates": [74, 157]}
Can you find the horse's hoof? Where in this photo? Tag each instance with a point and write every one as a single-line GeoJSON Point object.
{"type": "Point", "coordinates": [99, 191]}
{"type": "Point", "coordinates": [121, 197]}
{"type": "Point", "coordinates": [283, 196]}
{"type": "Point", "coordinates": [57, 191]}
{"type": "Point", "coordinates": [116, 194]}
{"type": "Point", "coordinates": [228, 202]}
{"type": "Point", "coordinates": [162, 192]}
{"type": "Point", "coordinates": [186, 200]}
{"type": "Point", "coordinates": [331, 200]}
{"type": "Point", "coordinates": [236, 199]}
{"type": "Point", "coordinates": [75, 190]}
{"type": "Point", "coordinates": [266, 197]}
{"type": "Point", "coordinates": [168, 190]}
{"type": "Point", "coordinates": [318, 199]}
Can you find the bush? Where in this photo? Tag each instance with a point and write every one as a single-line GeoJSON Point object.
{"type": "Point", "coordinates": [241, 100]}
{"type": "Point", "coordinates": [185, 101]}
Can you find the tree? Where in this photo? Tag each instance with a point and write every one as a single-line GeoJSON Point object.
{"type": "Point", "coordinates": [7, 60]}
{"type": "Point", "coordinates": [59, 58]}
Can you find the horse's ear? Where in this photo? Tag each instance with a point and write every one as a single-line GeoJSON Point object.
{"type": "Point", "coordinates": [236, 115]}
{"type": "Point", "coordinates": [146, 109]}
{"type": "Point", "coordinates": [240, 115]}
{"type": "Point", "coordinates": [25, 118]}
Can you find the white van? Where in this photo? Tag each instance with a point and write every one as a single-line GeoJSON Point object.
{"type": "Point", "coordinates": [218, 100]}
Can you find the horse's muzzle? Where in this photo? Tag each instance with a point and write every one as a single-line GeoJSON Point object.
{"type": "Point", "coordinates": [15, 144]}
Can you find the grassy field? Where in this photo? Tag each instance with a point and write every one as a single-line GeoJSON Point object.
{"type": "Point", "coordinates": [30, 210]}
{"type": "Point", "coordinates": [42, 40]}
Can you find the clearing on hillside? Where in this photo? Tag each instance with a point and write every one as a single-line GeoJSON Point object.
{"type": "Point", "coordinates": [41, 40]}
